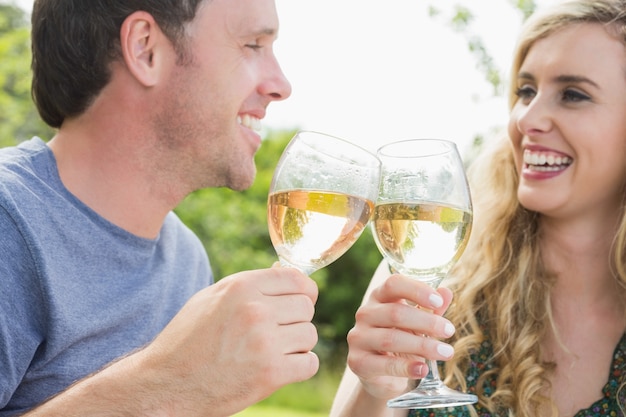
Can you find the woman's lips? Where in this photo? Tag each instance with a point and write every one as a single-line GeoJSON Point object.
{"type": "Point", "coordinates": [545, 161]}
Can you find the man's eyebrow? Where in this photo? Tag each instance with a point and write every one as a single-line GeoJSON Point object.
{"type": "Point", "coordinates": [264, 32]}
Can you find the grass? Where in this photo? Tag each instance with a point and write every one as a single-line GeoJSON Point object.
{"type": "Point", "coordinates": [275, 411]}
{"type": "Point", "coordinates": [312, 398]}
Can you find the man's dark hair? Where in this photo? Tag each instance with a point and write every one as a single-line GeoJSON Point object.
{"type": "Point", "coordinates": [74, 42]}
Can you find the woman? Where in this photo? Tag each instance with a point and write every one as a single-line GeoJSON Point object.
{"type": "Point", "coordinates": [540, 293]}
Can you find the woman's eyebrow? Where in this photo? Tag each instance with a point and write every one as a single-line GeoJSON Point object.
{"type": "Point", "coordinates": [561, 79]}
{"type": "Point", "coordinates": [575, 79]}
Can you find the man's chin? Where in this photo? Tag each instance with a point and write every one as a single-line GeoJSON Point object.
{"type": "Point", "coordinates": [242, 182]}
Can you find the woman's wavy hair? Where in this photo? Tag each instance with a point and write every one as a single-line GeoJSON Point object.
{"type": "Point", "coordinates": [501, 284]}
{"type": "Point", "coordinates": [75, 41]}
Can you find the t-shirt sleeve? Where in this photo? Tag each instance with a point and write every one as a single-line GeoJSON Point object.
{"type": "Point", "coordinates": [22, 308]}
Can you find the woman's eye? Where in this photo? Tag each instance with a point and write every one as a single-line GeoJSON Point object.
{"type": "Point", "coordinates": [525, 93]}
{"type": "Point", "coordinates": [574, 96]}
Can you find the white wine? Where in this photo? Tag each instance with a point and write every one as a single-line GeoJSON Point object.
{"type": "Point", "coordinates": [311, 229]}
{"type": "Point", "coordinates": [421, 239]}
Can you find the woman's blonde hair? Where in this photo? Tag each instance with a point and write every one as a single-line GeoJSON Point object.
{"type": "Point", "coordinates": [502, 288]}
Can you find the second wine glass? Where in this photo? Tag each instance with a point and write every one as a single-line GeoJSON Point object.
{"type": "Point", "coordinates": [421, 225]}
{"type": "Point", "coordinates": [321, 198]}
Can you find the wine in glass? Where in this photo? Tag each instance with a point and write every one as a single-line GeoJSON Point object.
{"type": "Point", "coordinates": [321, 198]}
{"type": "Point", "coordinates": [421, 225]}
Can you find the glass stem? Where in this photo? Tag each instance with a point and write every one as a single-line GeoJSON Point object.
{"type": "Point", "coordinates": [432, 380]}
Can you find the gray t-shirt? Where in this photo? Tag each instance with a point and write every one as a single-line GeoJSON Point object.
{"type": "Point", "coordinates": [76, 291]}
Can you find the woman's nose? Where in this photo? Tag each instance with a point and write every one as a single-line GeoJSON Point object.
{"type": "Point", "coordinates": [533, 117]}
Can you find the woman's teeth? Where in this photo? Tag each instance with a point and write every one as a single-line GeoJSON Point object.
{"type": "Point", "coordinates": [250, 122]}
{"type": "Point", "coordinates": [540, 161]}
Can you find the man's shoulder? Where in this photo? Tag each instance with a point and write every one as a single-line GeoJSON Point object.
{"type": "Point", "coordinates": [21, 166]}
{"type": "Point", "coordinates": [22, 151]}
{"type": "Point", "coordinates": [177, 232]}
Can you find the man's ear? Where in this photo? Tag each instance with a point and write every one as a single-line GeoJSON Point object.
{"type": "Point", "coordinates": [139, 38]}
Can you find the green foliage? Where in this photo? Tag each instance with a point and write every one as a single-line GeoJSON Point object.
{"type": "Point", "coordinates": [11, 17]}
{"type": "Point", "coordinates": [342, 285]}
{"type": "Point", "coordinates": [277, 411]}
{"type": "Point", "coordinates": [233, 225]}
{"type": "Point", "coordinates": [527, 7]}
{"type": "Point", "coordinates": [433, 11]}
{"type": "Point", "coordinates": [461, 22]}
{"type": "Point", "coordinates": [311, 398]}
{"type": "Point", "coordinates": [462, 18]}
{"type": "Point", "coordinates": [233, 228]}
{"type": "Point", "coordinates": [18, 117]}
{"type": "Point", "coordinates": [314, 395]}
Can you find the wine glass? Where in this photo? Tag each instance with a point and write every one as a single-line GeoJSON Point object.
{"type": "Point", "coordinates": [321, 198]}
{"type": "Point", "coordinates": [421, 225]}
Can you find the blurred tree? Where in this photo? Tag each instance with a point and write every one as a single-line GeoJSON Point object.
{"type": "Point", "coordinates": [233, 225]}
{"type": "Point", "coordinates": [461, 21]}
{"type": "Point", "coordinates": [342, 286]}
{"type": "Point", "coordinates": [18, 117]}
{"type": "Point", "coordinates": [527, 7]}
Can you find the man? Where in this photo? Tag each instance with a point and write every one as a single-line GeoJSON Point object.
{"type": "Point", "coordinates": [105, 304]}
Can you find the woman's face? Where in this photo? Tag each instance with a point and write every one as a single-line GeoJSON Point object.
{"type": "Point", "coordinates": [568, 126]}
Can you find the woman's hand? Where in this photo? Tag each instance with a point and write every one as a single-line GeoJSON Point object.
{"type": "Point", "coordinates": [391, 338]}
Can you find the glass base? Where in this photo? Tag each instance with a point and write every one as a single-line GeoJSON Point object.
{"type": "Point", "coordinates": [432, 397]}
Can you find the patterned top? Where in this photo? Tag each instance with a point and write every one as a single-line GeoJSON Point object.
{"type": "Point", "coordinates": [606, 406]}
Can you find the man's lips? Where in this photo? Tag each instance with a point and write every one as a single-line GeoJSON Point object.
{"type": "Point", "coordinates": [249, 121]}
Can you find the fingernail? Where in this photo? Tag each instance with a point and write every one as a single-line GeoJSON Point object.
{"type": "Point", "coordinates": [418, 371]}
{"type": "Point", "coordinates": [449, 329]}
{"type": "Point", "coordinates": [435, 300]}
{"type": "Point", "coordinates": [445, 350]}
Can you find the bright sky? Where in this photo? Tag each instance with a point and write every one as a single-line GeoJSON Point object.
{"type": "Point", "coordinates": [374, 71]}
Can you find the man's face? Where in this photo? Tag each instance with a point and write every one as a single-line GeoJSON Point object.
{"type": "Point", "coordinates": [209, 114]}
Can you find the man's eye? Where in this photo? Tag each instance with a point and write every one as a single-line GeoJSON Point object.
{"type": "Point", "coordinates": [253, 46]}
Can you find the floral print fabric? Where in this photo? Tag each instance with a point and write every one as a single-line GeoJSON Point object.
{"type": "Point", "coordinates": [608, 405]}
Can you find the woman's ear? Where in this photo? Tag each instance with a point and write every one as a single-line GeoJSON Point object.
{"type": "Point", "coordinates": [141, 41]}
